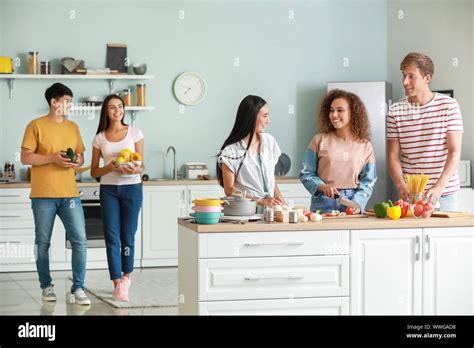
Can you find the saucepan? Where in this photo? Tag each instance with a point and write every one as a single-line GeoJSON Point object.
{"type": "Point", "coordinates": [239, 206]}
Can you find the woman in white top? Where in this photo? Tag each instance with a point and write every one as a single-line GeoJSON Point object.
{"type": "Point", "coordinates": [248, 157]}
{"type": "Point", "coordinates": [121, 193]}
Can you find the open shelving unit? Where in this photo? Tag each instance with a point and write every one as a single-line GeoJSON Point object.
{"type": "Point", "coordinates": [110, 78]}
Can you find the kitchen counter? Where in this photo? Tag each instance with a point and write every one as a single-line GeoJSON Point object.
{"type": "Point", "coordinates": [367, 223]}
{"type": "Point", "coordinates": [350, 266]}
{"type": "Point", "coordinates": [158, 182]}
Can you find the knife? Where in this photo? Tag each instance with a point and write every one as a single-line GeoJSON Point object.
{"type": "Point", "coordinates": [347, 202]}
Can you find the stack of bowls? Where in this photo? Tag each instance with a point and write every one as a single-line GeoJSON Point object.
{"type": "Point", "coordinates": [208, 211]}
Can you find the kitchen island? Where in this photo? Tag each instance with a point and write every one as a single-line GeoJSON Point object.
{"type": "Point", "coordinates": [346, 266]}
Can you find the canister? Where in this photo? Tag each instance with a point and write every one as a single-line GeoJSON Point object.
{"type": "Point", "coordinates": [293, 217]}
{"type": "Point", "coordinates": [269, 216]}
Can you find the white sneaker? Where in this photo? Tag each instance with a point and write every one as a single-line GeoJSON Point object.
{"type": "Point", "coordinates": [79, 297]}
{"type": "Point", "coordinates": [48, 294]}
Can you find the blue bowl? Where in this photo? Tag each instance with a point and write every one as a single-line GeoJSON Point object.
{"type": "Point", "coordinates": [207, 218]}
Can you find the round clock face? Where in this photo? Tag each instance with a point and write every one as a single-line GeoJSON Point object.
{"type": "Point", "coordinates": [190, 88]}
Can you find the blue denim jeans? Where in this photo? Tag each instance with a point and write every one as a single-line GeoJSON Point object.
{"type": "Point", "coordinates": [327, 204]}
{"type": "Point", "coordinates": [120, 207]}
{"type": "Point", "coordinates": [449, 202]}
{"type": "Point", "coordinates": [71, 214]}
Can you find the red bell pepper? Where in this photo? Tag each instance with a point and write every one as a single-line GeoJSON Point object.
{"type": "Point", "coordinates": [404, 206]}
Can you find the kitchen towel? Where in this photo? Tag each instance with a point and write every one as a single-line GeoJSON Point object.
{"type": "Point", "coordinates": [159, 289]}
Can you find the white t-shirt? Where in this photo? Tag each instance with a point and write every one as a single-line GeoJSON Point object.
{"type": "Point", "coordinates": [111, 150]}
{"type": "Point", "coordinates": [255, 175]}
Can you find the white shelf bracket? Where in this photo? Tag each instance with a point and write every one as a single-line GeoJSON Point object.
{"type": "Point", "coordinates": [111, 86]}
{"type": "Point", "coordinates": [134, 117]}
{"type": "Point", "coordinates": [10, 86]}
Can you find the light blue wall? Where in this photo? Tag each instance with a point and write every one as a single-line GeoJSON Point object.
{"type": "Point", "coordinates": [2, 88]}
{"type": "Point", "coordinates": [286, 61]}
{"type": "Point", "coordinates": [443, 29]}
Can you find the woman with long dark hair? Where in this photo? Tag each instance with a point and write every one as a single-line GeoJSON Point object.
{"type": "Point", "coordinates": [247, 159]}
{"type": "Point", "coordinates": [121, 193]}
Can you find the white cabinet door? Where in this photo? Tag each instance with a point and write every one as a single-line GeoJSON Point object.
{"type": "Point", "coordinates": [386, 271]}
{"type": "Point", "coordinates": [293, 306]}
{"type": "Point", "coordinates": [448, 271]}
{"type": "Point", "coordinates": [203, 191]}
{"type": "Point", "coordinates": [161, 208]}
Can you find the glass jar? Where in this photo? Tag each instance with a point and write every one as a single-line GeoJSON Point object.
{"type": "Point", "coordinates": [127, 96]}
{"type": "Point", "coordinates": [416, 197]}
{"type": "Point", "coordinates": [141, 91]}
{"type": "Point", "coordinates": [45, 68]}
{"type": "Point", "coordinates": [33, 62]}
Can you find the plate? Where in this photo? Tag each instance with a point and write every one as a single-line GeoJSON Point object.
{"type": "Point", "coordinates": [283, 165]}
{"type": "Point", "coordinates": [255, 217]}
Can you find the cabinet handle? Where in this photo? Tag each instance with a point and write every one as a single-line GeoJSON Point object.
{"type": "Point", "coordinates": [189, 197]}
{"type": "Point", "coordinates": [281, 243]}
{"type": "Point", "coordinates": [428, 246]}
{"type": "Point", "coordinates": [283, 277]}
{"type": "Point", "coordinates": [11, 242]}
{"type": "Point", "coordinates": [9, 196]}
{"type": "Point", "coordinates": [417, 246]}
{"type": "Point", "coordinates": [10, 216]}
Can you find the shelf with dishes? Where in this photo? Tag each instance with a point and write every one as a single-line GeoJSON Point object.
{"type": "Point", "coordinates": [111, 78]}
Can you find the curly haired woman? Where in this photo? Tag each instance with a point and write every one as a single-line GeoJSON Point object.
{"type": "Point", "coordinates": [340, 160]}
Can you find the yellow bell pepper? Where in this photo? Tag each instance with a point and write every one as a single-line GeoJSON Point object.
{"type": "Point", "coordinates": [394, 213]}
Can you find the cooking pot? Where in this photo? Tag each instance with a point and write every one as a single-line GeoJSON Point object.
{"type": "Point", "coordinates": [239, 206]}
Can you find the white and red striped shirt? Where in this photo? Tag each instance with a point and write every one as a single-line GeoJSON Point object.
{"type": "Point", "coordinates": [422, 132]}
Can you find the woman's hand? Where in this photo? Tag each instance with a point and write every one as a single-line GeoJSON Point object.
{"type": "Point", "coordinates": [270, 201]}
{"type": "Point", "coordinates": [113, 166]}
{"type": "Point", "coordinates": [328, 190]}
{"type": "Point", "coordinates": [280, 200]}
{"type": "Point", "coordinates": [136, 169]}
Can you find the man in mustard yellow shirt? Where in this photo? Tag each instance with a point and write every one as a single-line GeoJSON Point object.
{"type": "Point", "coordinates": [54, 190]}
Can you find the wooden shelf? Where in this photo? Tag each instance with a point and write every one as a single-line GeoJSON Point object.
{"type": "Point", "coordinates": [111, 78]}
{"type": "Point", "coordinates": [98, 108]}
{"type": "Point", "coordinates": [77, 77]}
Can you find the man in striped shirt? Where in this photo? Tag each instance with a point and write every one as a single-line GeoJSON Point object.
{"type": "Point", "coordinates": [424, 134]}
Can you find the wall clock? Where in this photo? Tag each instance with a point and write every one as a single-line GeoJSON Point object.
{"type": "Point", "coordinates": [190, 88]}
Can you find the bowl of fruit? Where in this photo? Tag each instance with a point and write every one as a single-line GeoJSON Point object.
{"type": "Point", "coordinates": [128, 159]}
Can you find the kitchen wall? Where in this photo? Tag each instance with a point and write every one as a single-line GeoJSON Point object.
{"type": "Point", "coordinates": [2, 88]}
{"type": "Point", "coordinates": [284, 51]}
{"type": "Point", "coordinates": [443, 29]}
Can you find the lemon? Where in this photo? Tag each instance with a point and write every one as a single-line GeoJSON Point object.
{"type": "Point", "coordinates": [126, 154]}
{"type": "Point", "coordinates": [120, 160]}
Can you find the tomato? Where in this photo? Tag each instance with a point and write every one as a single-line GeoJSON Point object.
{"type": "Point", "coordinates": [418, 210]}
{"type": "Point", "coordinates": [427, 210]}
{"type": "Point", "coordinates": [428, 206]}
{"type": "Point", "coordinates": [350, 211]}
{"type": "Point", "coordinates": [329, 215]}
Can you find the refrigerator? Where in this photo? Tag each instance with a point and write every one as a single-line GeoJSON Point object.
{"type": "Point", "coordinates": [376, 96]}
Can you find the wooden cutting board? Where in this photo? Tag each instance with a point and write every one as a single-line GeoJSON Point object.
{"type": "Point", "coordinates": [345, 217]}
{"type": "Point", "coordinates": [438, 214]}
{"type": "Point", "coordinates": [450, 214]}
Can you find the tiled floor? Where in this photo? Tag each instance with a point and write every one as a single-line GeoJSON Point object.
{"type": "Point", "coordinates": [20, 294]}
